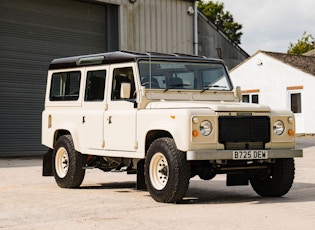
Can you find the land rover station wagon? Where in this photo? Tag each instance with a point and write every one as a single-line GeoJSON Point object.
{"type": "Point", "coordinates": [166, 118]}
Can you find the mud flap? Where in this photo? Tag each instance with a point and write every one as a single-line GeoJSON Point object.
{"type": "Point", "coordinates": [47, 163]}
{"type": "Point", "coordinates": [140, 176]}
{"type": "Point", "coordinates": [237, 179]}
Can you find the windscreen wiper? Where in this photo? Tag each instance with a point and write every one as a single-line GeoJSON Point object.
{"type": "Point", "coordinates": [212, 86]}
{"type": "Point", "coordinates": [174, 86]}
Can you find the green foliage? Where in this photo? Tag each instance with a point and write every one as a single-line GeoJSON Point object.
{"type": "Point", "coordinates": [303, 45]}
{"type": "Point", "coordinates": [214, 11]}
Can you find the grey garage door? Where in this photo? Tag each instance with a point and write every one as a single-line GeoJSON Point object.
{"type": "Point", "coordinates": [32, 34]}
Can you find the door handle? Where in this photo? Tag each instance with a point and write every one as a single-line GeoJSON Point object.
{"type": "Point", "coordinates": [109, 119]}
{"type": "Point", "coordinates": [83, 119]}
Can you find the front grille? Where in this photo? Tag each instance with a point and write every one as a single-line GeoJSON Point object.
{"type": "Point", "coordinates": [248, 132]}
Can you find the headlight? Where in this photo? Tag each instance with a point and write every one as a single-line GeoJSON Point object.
{"type": "Point", "coordinates": [205, 128]}
{"type": "Point", "coordinates": [278, 128]}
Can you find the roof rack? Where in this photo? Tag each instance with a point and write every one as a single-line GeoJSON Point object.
{"type": "Point", "coordinates": [148, 53]}
{"type": "Point", "coordinates": [131, 52]}
{"type": "Point", "coordinates": [189, 55]}
{"type": "Point", "coordinates": [159, 53]}
{"type": "Point", "coordinates": [116, 57]}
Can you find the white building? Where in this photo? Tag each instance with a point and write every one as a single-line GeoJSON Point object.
{"type": "Point", "coordinates": [282, 81]}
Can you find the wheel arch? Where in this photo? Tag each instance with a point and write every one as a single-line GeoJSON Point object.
{"type": "Point", "coordinates": [153, 135]}
{"type": "Point", "coordinates": [58, 133]}
{"type": "Point", "coordinates": [61, 132]}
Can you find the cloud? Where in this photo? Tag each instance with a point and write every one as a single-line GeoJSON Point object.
{"type": "Point", "coordinates": [272, 25]}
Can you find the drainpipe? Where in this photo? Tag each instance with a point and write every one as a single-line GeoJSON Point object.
{"type": "Point", "coordinates": [196, 28]}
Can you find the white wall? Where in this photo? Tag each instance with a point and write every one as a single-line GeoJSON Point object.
{"type": "Point", "coordinates": [272, 77]}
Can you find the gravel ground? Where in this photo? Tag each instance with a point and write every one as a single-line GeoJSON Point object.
{"type": "Point", "coordinates": [109, 200]}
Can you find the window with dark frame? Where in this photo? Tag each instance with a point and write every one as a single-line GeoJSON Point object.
{"type": "Point", "coordinates": [255, 99]}
{"type": "Point", "coordinates": [95, 85]}
{"type": "Point", "coordinates": [65, 86]}
{"type": "Point", "coordinates": [245, 98]}
{"type": "Point", "coordinates": [122, 75]}
{"type": "Point", "coordinates": [296, 102]}
{"type": "Point", "coordinates": [250, 98]}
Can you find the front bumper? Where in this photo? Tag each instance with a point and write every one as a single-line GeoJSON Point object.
{"type": "Point", "coordinates": [228, 154]}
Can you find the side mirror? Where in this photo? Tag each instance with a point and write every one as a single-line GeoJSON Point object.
{"type": "Point", "coordinates": [239, 93]}
{"type": "Point", "coordinates": [125, 89]}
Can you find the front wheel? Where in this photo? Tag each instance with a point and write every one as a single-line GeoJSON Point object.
{"type": "Point", "coordinates": [167, 171]}
{"type": "Point", "coordinates": [67, 163]}
{"type": "Point", "coordinates": [277, 181]}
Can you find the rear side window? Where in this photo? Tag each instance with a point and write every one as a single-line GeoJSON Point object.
{"type": "Point", "coordinates": [95, 85]}
{"type": "Point", "coordinates": [65, 86]}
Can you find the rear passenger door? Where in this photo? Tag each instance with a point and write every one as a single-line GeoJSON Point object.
{"type": "Point", "coordinates": [93, 108]}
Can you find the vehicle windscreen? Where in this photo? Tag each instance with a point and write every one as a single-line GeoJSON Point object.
{"type": "Point", "coordinates": [184, 75]}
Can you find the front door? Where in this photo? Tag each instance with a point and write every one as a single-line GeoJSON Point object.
{"type": "Point", "coordinates": [120, 117]}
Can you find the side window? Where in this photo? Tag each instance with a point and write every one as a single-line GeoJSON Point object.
{"type": "Point", "coordinates": [250, 98]}
{"type": "Point", "coordinates": [295, 99]}
{"type": "Point", "coordinates": [245, 98]}
{"type": "Point", "coordinates": [65, 86]}
{"type": "Point", "coordinates": [95, 85]}
{"type": "Point", "coordinates": [123, 75]}
{"type": "Point", "coordinates": [255, 99]}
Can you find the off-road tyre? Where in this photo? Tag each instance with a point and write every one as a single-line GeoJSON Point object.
{"type": "Point", "coordinates": [167, 171]}
{"type": "Point", "coordinates": [67, 163]}
{"type": "Point", "coordinates": [279, 180]}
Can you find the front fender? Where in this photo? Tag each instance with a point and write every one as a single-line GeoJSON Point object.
{"type": "Point", "coordinates": [176, 128]}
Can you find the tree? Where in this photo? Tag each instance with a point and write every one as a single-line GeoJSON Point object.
{"type": "Point", "coordinates": [214, 11]}
{"type": "Point", "coordinates": [303, 45]}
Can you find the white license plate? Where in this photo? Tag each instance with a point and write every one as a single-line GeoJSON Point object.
{"type": "Point", "coordinates": [250, 154]}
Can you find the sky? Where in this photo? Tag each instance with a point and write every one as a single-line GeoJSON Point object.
{"type": "Point", "coordinates": [271, 25]}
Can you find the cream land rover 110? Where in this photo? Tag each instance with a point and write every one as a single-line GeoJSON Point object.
{"type": "Point", "coordinates": [165, 117]}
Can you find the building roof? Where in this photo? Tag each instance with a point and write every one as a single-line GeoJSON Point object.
{"type": "Point", "coordinates": [301, 62]}
{"type": "Point", "coordinates": [305, 63]}
{"type": "Point", "coordinates": [310, 53]}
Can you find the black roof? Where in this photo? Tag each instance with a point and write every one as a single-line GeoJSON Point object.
{"type": "Point", "coordinates": [119, 57]}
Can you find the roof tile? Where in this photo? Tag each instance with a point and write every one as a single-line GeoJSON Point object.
{"type": "Point", "coordinates": [301, 62]}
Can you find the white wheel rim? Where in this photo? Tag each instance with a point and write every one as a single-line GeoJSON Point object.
{"type": "Point", "coordinates": [159, 172]}
{"type": "Point", "coordinates": [62, 162]}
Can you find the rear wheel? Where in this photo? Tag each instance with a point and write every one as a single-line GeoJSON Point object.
{"type": "Point", "coordinates": [167, 171]}
{"type": "Point", "coordinates": [277, 181]}
{"type": "Point", "coordinates": [68, 163]}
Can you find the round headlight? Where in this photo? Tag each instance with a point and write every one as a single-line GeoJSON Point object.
{"type": "Point", "coordinates": [278, 128]}
{"type": "Point", "coordinates": [205, 128]}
